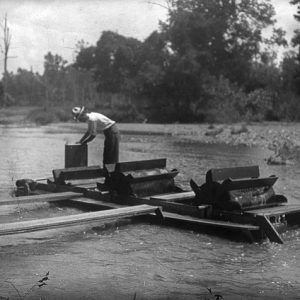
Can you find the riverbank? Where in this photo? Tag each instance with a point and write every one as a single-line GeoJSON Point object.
{"type": "Point", "coordinates": [260, 134]}
{"type": "Point", "coordinates": [282, 138]}
{"type": "Point", "coordinates": [271, 135]}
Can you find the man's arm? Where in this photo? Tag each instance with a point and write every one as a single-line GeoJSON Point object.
{"type": "Point", "coordinates": [87, 137]}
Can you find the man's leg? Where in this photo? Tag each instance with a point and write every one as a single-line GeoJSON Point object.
{"type": "Point", "coordinates": [111, 145]}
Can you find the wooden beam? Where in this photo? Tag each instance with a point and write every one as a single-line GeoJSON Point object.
{"type": "Point", "coordinates": [167, 206]}
{"type": "Point", "coordinates": [61, 175]}
{"type": "Point", "coordinates": [275, 210]}
{"type": "Point", "coordinates": [234, 173]}
{"type": "Point", "coordinates": [175, 196]}
{"type": "Point", "coordinates": [210, 222]}
{"type": "Point", "coordinates": [269, 229]}
{"type": "Point", "coordinates": [169, 175]}
{"type": "Point", "coordinates": [83, 218]}
{"type": "Point", "coordinates": [240, 184]}
{"type": "Point", "coordinates": [99, 203]}
{"type": "Point", "coordinates": [40, 198]}
{"type": "Point", "coordinates": [138, 165]}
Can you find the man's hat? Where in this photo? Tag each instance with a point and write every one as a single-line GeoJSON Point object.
{"type": "Point", "coordinates": [77, 111]}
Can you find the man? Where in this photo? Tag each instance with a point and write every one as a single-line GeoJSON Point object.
{"type": "Point", "coordinates": [98, 122]}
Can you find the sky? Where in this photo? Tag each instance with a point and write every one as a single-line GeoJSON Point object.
{"type": "Point", "coordinates": [40, 26]}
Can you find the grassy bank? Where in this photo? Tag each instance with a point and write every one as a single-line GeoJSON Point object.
{"type": "Point", "coordinates": [15, 114]}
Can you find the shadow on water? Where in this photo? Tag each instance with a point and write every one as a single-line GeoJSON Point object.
{"type": "Point", "coordinates": [118, 261]}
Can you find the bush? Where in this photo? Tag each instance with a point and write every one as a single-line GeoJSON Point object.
{"type": "Point", "coordinates": [42, 116]}
{"type": "Point", "coordinates": [62, 115]}
{"type": "Point", "coordinates": [258, 105]}
{"type": "Point", "coordinates": [119, 108]}
{"type": "Point", "coordinates": [224, 101]}
{"type": "Point", "coordinates": [289, 109]}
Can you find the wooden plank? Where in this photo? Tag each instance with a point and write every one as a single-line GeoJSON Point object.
{"type": "Point", "coordinates": [167, 206]}
{"type": "Point", "coordinates": [138, 165]}
{"type": "Point", "coordinates": [100, 203]}
{"type": "Point", "coordinates": [169, 175]}
{"type": "Point", "coordinates": [61, 175]}
{"type": "Point", "coordinates": [83, 218]}
{"type": "Point", "coordinates": [234, 173]}
{"type": "Point", "coordinates": [174, 196]}
{"type": "Point", "coordinates": [88, 181]}
{"type": "Point", "coordinates": [40, 198]}
{"type": "Point", "coordinates": [269, 229]}
{"type": "Point", "coordinates": [210, 222]}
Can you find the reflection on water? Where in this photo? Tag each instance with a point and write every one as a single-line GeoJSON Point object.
{"type": "Point", "coordinates": [151, 261]}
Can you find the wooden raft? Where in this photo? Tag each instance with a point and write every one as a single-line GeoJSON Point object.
{"type": "Point", "coordinates": [178, 217]}
{"type": "Point", "coordinates": [83, 218]}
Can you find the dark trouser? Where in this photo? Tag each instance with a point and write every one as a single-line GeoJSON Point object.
{"type": "Point", "coordinates": [111, 145]}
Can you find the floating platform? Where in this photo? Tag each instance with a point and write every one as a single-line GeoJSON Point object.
{"type": "Point", "coordinates": [230, 199]}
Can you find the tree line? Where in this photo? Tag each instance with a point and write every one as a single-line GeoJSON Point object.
{"type": "Point", "coordinates": [210, 61]}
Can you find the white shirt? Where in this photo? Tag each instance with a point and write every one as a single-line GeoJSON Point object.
{"type": "Point", "coordinates": [98, 122]}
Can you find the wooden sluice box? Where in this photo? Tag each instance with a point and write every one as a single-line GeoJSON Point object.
{"type": "Point", "coordinates": [235, 199]}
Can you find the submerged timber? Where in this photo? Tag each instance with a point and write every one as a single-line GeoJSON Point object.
{"type": "Point", "coordinates": [232, 200]}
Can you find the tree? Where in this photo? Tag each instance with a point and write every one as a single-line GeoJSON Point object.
{"type": "Point", "coordinates": [152, 62]}
{"type": "Point", "coordinates": [1, 92]}
{"type": "Point", "coordinates": [115, 63]}
{"type": "Point", "coordinates": [53, 78]}
{"type": "Point", "coordinates": [223, 37]}
{"type": "Point", "coordinates": [214, 38]}
{"type": "Point", "coordinates": [289, 68]}
{"type": "Point", "coordinates": [296, 43]}
{"type": "Point", "coordinates": [5, 51]}
{"type": "Point", "coordinates": [25, 87]}
{"type": "Point", "coordinates": [85, 58]}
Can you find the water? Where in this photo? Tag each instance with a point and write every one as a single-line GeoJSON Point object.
{"type": "Point", "coordinates": [140, 261]}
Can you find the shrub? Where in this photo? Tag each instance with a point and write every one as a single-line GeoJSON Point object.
{"type": "Point", "coordinates": [290, 107]}
{"type": "Point", "coordinates": [258, 104]}
{"type": "Point", "coordinates": [62, 115]}
{"type": "Point", "coordinates": [224, 101]}
{"type": "Point", "coordinates": [42, 116]}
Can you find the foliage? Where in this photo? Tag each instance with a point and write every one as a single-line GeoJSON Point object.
{"type": "Point", "coordinates": [120, 108]}
{"type": "Point", "coordinates": [85, 58]}
{"type": "Point", "coordinates": [225, 101]}
{"type": "Point", "coordinates": [290, 107]}
{"type": "Point", "coordinates": [223, 36]}
{"type": "Point", "coordinates": [258, 104]}
{"type": "Point", "coordinates": [212, 39]}
{"type": "Point", "coordinates": [25, 87]}
{"type": "Point", "coordinates": [296, 43]}
{"type": "Point", "coordinates": [209, 62]}
{"type": "Point", "coordinates": [289, 70]}
{"type": "Point", "coordinates": [1, 94]}
{"type": "Point", "coordinates": [115, 65]}
{"type": "Point", "coordinates": [42, 116]}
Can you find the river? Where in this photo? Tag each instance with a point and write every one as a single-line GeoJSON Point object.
{"type": "Point", "coordinates": [138, 261]}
